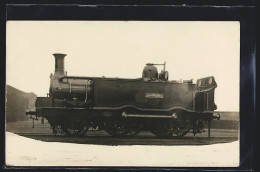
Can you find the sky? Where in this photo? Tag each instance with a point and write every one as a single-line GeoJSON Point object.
{"type": "Point", "coordinates": [191, 49]}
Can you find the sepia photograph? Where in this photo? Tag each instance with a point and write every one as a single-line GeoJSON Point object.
{"type": "Point", "coordinates": [123, 93]}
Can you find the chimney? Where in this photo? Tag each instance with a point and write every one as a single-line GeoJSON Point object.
{"type": "Point", "coordinates": [59, 63]}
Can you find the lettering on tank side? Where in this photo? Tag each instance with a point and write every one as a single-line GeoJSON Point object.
{"type": "Point", "coordinates": [154, 95]}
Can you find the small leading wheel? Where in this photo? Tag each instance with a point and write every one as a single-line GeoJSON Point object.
{"type": "Point", "coordinates": [74, 128]}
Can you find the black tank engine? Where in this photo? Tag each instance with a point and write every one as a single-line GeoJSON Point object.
{"type": "Point", "coordinates": [124, 107]}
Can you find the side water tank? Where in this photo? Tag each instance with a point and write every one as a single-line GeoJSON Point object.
{"type": "Point", "coordinates": [150, 72]}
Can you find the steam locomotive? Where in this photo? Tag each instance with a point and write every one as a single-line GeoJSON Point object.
{"type": "Point", "coordinates": [124, 107]}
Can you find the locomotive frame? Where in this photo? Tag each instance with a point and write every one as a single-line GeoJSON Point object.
{"type": "Point", "coordinates": [124, 107]}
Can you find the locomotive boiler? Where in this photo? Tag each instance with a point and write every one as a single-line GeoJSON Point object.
{"type": "Point", "coordinates": [124, 107]}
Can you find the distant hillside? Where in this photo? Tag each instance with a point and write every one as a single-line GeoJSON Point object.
{"type": "Point", "coordinates": [17, 103]}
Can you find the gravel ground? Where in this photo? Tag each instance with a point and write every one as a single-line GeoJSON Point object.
{"type": "Point", "coordinates": [22, 151]}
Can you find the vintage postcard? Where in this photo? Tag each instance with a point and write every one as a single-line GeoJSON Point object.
{"type": "Point", "coordinates": [122, 93]}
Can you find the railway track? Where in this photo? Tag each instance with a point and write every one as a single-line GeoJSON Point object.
{"type": "Point", "coordinates": [144, 138]}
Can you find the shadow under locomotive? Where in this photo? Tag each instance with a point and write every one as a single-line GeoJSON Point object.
{"type": "Point", "coordinates": [124, 107]}
{"type": "Point", "coordinates": [144, 138]}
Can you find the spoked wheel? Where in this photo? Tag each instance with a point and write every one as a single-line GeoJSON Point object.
{"type": "Point", "coordinates": [162, 132]}
{"type": "Point", "coordinates": [162, 129]}
{"type": "Point", "coordinates": [56, 129]}
{"type": "Point", "coordinates": [119, 128]}
{"type": "Point", "coordinates": [133, 127]}
{"type": "Point", "coordinates": [133, 132]}
{"type": "Point", "coordinates": [180, 131]}
{"type": "Point", "coordinates": [75, 132]}
{"type": "Point", "coordinates": [169, 129]}
{"type": "Point", "coordinates": [75, 127]}
{"type": "Point", "coordinates": [116, 127]}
